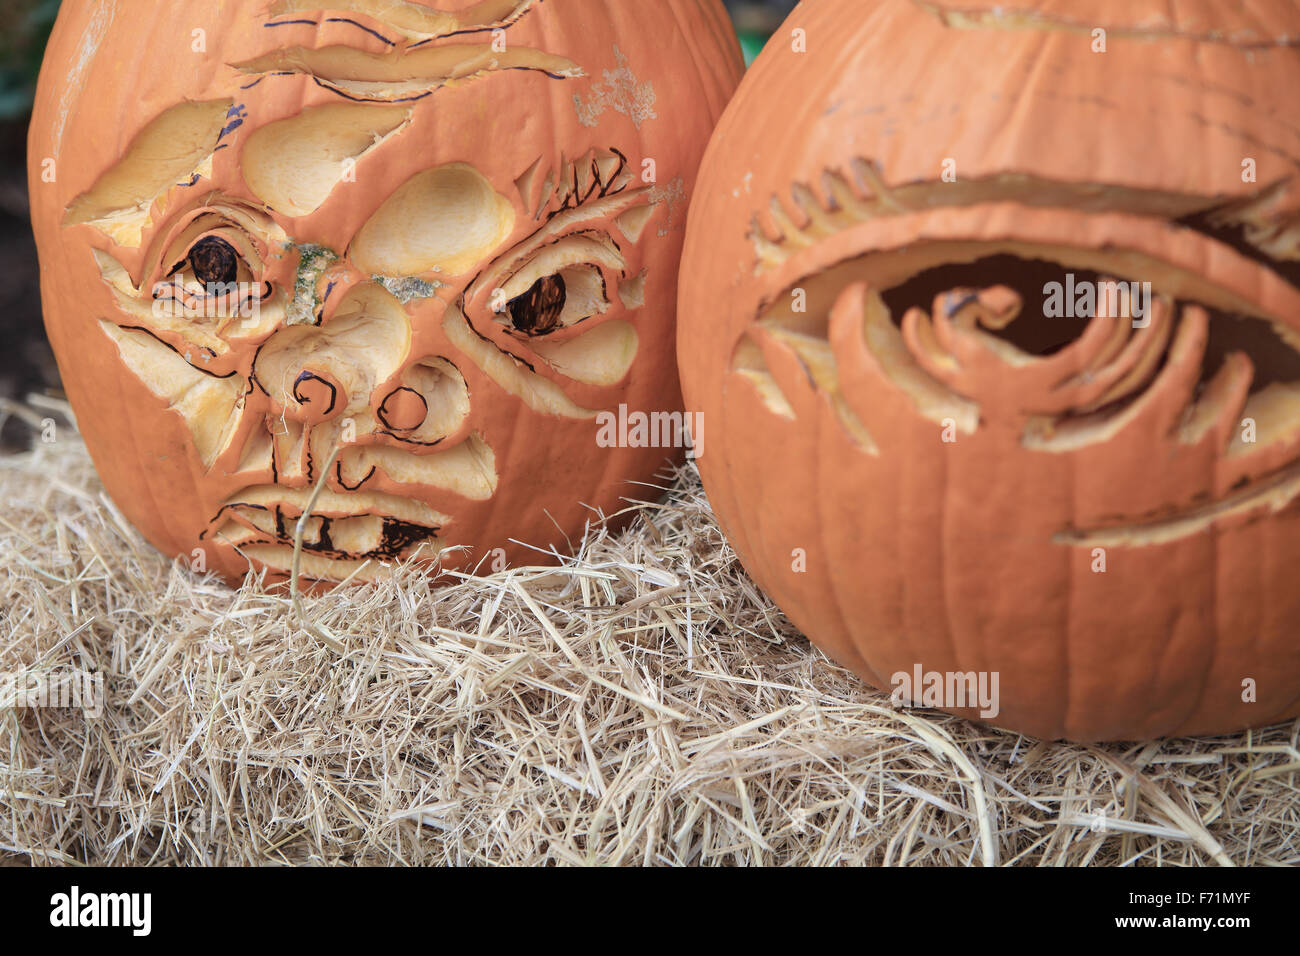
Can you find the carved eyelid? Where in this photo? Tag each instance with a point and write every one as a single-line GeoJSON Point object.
{"type": "Point", "coordinates": [251, 233]}
{"type": "Point", "coordinates": [588, 263]}
{"type": "Point", "coordinates": [587, 247]}
{"type": "Point", "coordinates": [581, 219]}
{"type": "Point", "coordinates": [506, 271]}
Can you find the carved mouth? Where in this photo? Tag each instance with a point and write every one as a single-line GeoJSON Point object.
{"type": "Point", "coordinates": [342, 530]}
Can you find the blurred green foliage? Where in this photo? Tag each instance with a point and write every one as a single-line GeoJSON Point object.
{"type": "Point", "coordinates": [751, 44]}
{"type": "Point", "coordinates": [26, 27]}
{"type": "Point", "coordinates": [756, 21]}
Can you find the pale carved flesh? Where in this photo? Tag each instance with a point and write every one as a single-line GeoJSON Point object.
{"type": "Point", "coordinates": [326, 369]}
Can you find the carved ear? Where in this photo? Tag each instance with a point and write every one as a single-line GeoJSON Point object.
{"type": "Point", "coordinates": [294, 164]}
{"type": "Point", "coordinates": [174, 150]}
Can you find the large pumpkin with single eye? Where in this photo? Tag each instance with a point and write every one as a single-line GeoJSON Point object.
{"type": "Point", "coordinates": [992, 310]}
{"type": "Point", "coordinates": [405, 253]}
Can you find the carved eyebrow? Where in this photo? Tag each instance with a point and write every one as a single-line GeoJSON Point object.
{"type": "Point", "coordinates": [348, 20]}
{"type": "Point", "coordinates": [174, 149]}
{"type": "Point", "coordinates": [856, 193]}
{"type": "Point", "coordinates": [402, 75]}
{"type": "Point", "coordinates": [412, 21]}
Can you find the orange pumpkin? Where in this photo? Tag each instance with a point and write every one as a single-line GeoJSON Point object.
{"type": "Point", "coordinates": [418, 244]}
{"type": "Point", "coordinates": [992, 312]}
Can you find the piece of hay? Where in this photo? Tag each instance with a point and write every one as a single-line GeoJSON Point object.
{"type": "Point", "coordinates": [642, 704]}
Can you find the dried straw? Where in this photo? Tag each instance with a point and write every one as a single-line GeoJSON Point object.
{"type": "Point", "coordinates": [641, 704]}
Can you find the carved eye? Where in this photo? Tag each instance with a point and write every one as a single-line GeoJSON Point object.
{"type": "Point", "coordinates": [214, 261]}
{"type": "Point", "coordinates": [431, 404]}
{"type": "Point", "coordinates": [214, 277]}
{"type": "Point", "coordinates": [553, 287]}
{"type": "Point", "coordinates": [558, 301]}
{"type": "Point", "coordinates": [538, 310]}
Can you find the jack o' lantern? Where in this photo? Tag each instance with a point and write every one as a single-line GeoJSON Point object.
{"type": "Point", "coordinates": [992, 312]}
{"type": "Point", "coordinates": [413, 248]}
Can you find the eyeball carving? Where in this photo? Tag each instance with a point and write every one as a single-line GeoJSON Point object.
{"type": "Point", "coordinates": [1008, 384]}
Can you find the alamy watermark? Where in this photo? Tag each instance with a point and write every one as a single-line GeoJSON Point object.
{"type": "Point", "coordinates": [1081, 299]}
{"type": "Point", "coordinates": [947, 690]}
{"type": "Point", "coordinates": [79, 909]}
{"type": "Point", "coordinates": [219, 300]}
{"type": "Point", "coordinates": [637, 429]}
{"type": "Point", "coordinates": [68, 690]}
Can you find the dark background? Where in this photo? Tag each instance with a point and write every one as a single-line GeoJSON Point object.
{"type": "Point", "coordinates": [26, 364]}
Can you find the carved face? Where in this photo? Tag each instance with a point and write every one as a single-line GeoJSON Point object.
{"type": "Point", "coordinates": [412, 249]}
{"type": "Point", "coordinates": [1032, 369]}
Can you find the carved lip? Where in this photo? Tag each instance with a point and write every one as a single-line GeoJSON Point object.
{"type": "Point", "coordinates": [395, 536]}
{"type": "Point", "coordinates": [340, 526]}
{"type": "Point", "coordinates": [1276, 492]}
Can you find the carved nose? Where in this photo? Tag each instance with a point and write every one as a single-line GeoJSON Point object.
{"type": "Point", "coordinates": [317, 396]}
{"type": "Point", "coordinates": [315, 373]}
{"type": "Point", "coordinates": [403, 410]}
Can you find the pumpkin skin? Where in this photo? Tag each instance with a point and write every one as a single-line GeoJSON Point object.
{"type": "Point", "coordinates": [930, 468]}
{"type": "Point", "coordinates": [419, 235]}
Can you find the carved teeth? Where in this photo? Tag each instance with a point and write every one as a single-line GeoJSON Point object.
{"type": "Point", "coordinates": [335, 504]}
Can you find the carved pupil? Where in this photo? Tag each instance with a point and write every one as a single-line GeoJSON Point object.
{"type": "Point", "coordinates": [215, 261]}
{"type": "Point", "coordinates": [537, 311]}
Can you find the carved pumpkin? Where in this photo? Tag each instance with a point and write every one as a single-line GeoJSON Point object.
{"type": "Point", "coordinates": [929, 442]}
{"type": "Point", "coordinates": [427, 240]}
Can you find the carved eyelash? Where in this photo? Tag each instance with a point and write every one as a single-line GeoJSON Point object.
{"type": "Point", "coordinates": [849, 197]}
{"type": "Point", "coordinates": [599, 173]}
